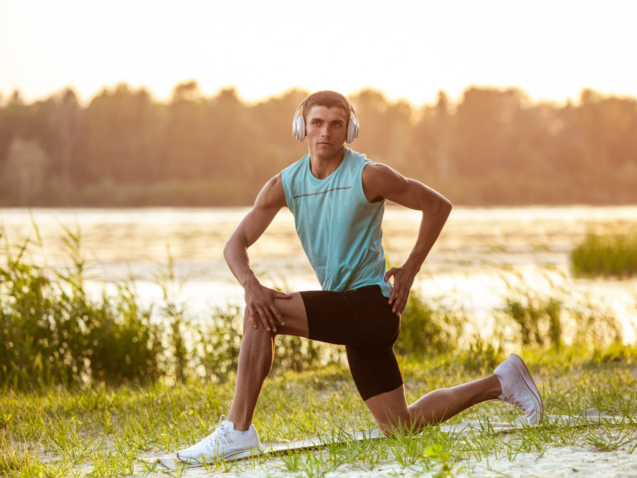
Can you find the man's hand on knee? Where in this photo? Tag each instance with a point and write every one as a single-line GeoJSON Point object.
{"type": "Point", "coordinates": [260, 306]}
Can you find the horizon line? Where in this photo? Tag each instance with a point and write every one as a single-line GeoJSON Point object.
{"type": "Point", "coordinates": [85, 101]}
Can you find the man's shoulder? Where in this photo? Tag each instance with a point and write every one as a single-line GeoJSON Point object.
{"type": "Point", "coordinates": [272, 193]}
{"type": "Point", "coordinates": [357, 156]}
{"type": "Point", "coordinates": [376, 170]}
{"type": "Point", "coordinates": [294, 173]}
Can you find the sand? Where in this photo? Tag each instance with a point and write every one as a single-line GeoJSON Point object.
{"type": "Point", "coordinates": [582, 459]}
{"type": "Point", "coordinates": [573, 461]}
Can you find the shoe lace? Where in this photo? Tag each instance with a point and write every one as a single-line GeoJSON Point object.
{"type": "Point", "coordinates": [219, 435]}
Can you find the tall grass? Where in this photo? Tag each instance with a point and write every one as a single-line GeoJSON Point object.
{"type": "Point", "coordinates": [607, 255]}
{"type": "Point", "coordinates": [428, 328]}
{"type": "Point", "coordinates": [52, 332]}
{"type": "Point", "coordinates": [548, 315]}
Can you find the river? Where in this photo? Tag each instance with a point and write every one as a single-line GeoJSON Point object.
{"type": "Point", "coordinates": [478, 249]}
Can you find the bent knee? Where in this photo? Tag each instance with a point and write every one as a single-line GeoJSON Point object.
{"type": "Point", "coordinates": [400, 428]}
{"type": "Point", "coordinates": [249, 326]}
{"type": "Point", "coordinates": [391, 425]}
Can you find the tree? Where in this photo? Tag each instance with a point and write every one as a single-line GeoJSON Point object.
{"type": "Point", "coordinates": [23, 174]}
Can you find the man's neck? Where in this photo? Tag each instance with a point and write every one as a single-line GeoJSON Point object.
{"type": "Point", "coordinates": [321, 168]}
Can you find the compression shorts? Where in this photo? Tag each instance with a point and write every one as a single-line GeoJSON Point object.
{"type": "Point", "coordinates": [362, 320]}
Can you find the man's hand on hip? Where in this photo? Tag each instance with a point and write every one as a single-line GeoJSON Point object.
{"type": "Point", "coordinates": [260, 305]}
{"type": "Point", "coordinates": [403, 280]}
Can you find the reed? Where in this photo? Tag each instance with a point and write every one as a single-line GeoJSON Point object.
{"type": "Point", "coordinates": [605, 255]}
{"type": "Point", "coordinates": [428, 327]}
{"type": "Point", "coordinates": [53, 333]}
{"type": "Point", "coordinates": [549, 315]}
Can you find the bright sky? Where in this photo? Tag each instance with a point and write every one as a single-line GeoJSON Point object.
{"type": "Point", "coordinates": [411, 49]}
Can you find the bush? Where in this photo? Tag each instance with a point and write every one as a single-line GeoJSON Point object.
{"type": "Point", "coordinates": [216, 348]}
{"type": "Point", "coordinates": [428, 330]}
{"type": "Point", "coordinates": [52, 333]}
{"type": "Point", "coordinates": [545, 317]}
{"type": "Point", "coordinates": [605, 255]}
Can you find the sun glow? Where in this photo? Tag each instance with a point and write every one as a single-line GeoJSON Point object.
{"type": "Point", "coordinates": [408, 49]}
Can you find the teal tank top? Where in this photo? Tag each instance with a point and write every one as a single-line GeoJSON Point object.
{"type": "Point", "coordinates": [339, 229]}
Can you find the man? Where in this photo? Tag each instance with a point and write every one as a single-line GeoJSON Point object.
{"type": "Point", "coordinates": [337, 197]}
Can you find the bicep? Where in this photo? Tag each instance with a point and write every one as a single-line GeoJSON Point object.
{"type": "Point", "coordinates": [389, 184]}
{"type": "Point", "coordinates": [270, 200]}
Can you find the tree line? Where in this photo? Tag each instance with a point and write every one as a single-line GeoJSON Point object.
{"type": "Point", "coordinates": [492, 146]}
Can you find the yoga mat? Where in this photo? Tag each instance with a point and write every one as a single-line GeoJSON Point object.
{"type": "Point", "coordinates": [588, 417]}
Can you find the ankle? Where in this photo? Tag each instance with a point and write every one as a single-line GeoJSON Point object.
{"type": "Point", "coordinates": [240, 424]}
{"type": "Point", "coordinates": [497, 387]}
{"type": "Point", "coordinates": [242, 428]}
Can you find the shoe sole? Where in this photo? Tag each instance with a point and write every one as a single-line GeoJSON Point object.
{"type": "Point", "coordinates": [196, 461]}
{"type": "Point", "coordinates": [520, 366]}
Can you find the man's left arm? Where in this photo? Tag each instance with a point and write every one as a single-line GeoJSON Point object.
{"type": "Point", "coordinates": [381, 181]}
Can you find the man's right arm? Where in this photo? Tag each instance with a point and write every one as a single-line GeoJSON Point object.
{"type": "Point", "coordinates": [259, 299]}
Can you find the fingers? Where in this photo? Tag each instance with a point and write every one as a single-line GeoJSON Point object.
{"type": "Point", "coordinates": [390, 273]}
{"type": "Point", "coordinates": [277, 314]}
{"type": "Point", "coordinates": [394, 294]}
{"type": "Point", "coordinates": [394, 297]}
{"type": "Point", "coordinates": [264, 319]}
{"type": "Point", "coordinates": [398, 297]}
{"type": "Point", "coordinates": [252, 317]}
{"type": "Point", "coordinates": [271, 318]}
{"type": "Point", "coordinates": [268, 315]}
{"type": "Point", "coordinates": [281, 295]}
{"type": "Point", "coordinates": [401, 303]}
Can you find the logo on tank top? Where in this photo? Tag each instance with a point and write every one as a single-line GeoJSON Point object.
{"type": "Point", "coordinates": [322, 192]}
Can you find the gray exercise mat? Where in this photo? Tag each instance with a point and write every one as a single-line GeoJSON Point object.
{"type": "Point", "coordinates": [591, 416]}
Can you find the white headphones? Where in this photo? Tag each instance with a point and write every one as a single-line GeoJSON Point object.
{"type": "Point", "coordinates": [298, 125]}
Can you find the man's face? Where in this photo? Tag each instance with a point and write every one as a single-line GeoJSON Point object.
{"type": "Point", "coordinates": [326, 130]}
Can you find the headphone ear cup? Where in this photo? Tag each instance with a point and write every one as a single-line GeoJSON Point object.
{"type": "Point", "coordinates": [352, 130]}
{"type": "Point", "coordinates": [299, 129]}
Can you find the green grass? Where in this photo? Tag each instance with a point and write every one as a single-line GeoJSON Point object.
{"type": "Point", "coordinates": [91, 385]}
{"type": "Point", "coordinates": [103, 431]}
{"type": "Point", "coordinates": [605, 255]}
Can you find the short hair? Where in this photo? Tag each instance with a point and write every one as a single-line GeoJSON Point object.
{"type": "Point", "coordinates": [330, 99]}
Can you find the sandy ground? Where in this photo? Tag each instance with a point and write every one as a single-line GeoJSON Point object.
{"type": "Point", "coordinates": [582, 459]}
{"type": "Point", "coordinates": [574, 461]}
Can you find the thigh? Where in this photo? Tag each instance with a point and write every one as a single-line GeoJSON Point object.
{"type": "Point", "coordinates": [374, 369]}
{"type": "Point", "coordinates": [360, 317]}
{"type": "Point", "coordinates": [294, 316]}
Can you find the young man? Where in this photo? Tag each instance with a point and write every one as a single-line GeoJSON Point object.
{"type": "Point", "coordinates": [338, 197]}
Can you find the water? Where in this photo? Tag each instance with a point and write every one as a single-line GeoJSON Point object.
{"type": "Point", "coordinates": [477, 248]}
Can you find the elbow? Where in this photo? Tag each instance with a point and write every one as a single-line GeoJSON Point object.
{"type": "Point", "coordinates": [446, 206]}
{"type": "Point", "coordinates": [441, 206]}
{"type": "Point", "coordinates": [228, 248]}
{"type": "Point", "coordinates": [235, 242]}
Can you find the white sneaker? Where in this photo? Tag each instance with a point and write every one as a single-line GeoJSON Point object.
{"type": "Point", "coordinates": [224, 442]}
{"type": "Point", "coordinates": [518, 388]}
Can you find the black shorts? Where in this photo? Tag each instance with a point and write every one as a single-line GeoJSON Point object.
{"type": "Point", "coordinates": [362, 320]}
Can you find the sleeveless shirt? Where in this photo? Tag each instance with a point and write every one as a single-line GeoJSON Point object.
{"type": "Point", "coordinates": [340, 230]}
